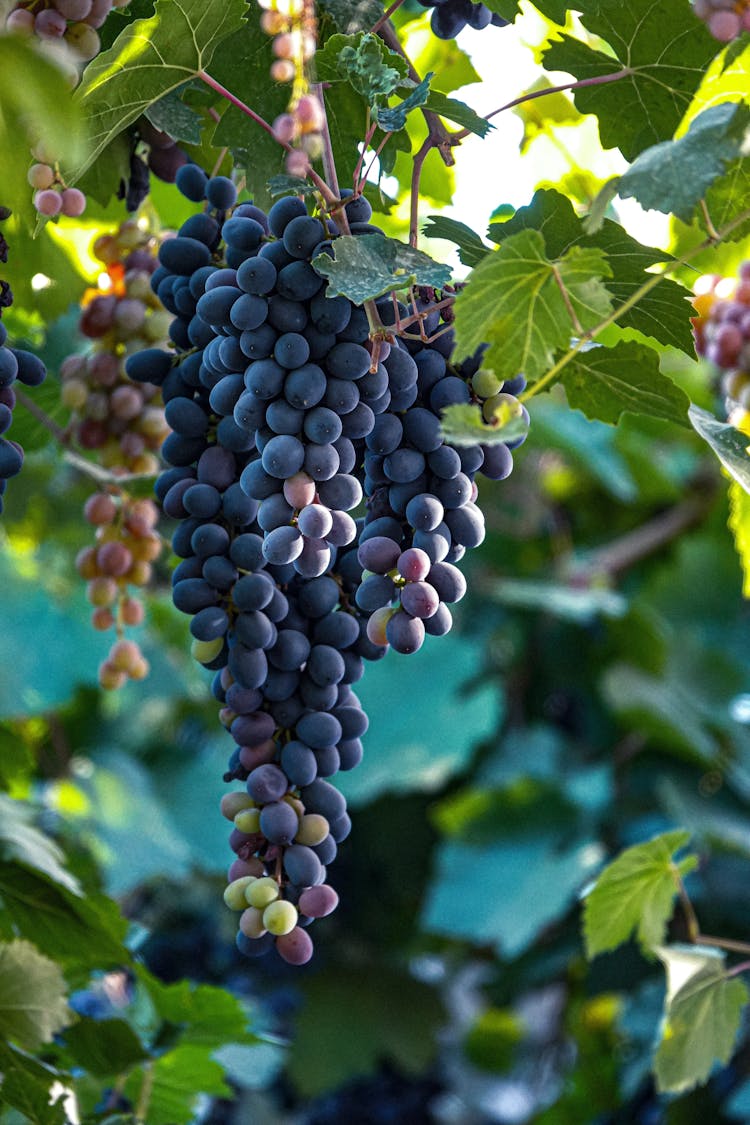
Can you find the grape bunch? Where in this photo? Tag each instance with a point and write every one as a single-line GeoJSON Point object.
{"type": "Point", "coordinates": [725, 19]}
{"type": "Point", "coordinates": [123, 421]}
{"type": "Point", "coordinates": [287, 421]}
{"type": "Point", "coordinates": [15, 364]}
{"type": "Point", "coordinates": [449, 17]}
{"type": "Point", "coordinates": [722, 336]}
{"type": "Point", "coordinates": [72, 22]}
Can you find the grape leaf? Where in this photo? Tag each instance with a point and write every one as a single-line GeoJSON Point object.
{"type": "Point", "coordinates": [33, 996]}
{"type": "Point", "coordinates": [606, 383]}
{"type": "Point", "coordinates": [674, 176]}
{"type": "Point", "coordinates": [554, 9]}
{"type": "Point", "coordinates": [369, 265]}
{"type": "Point", "coordinates": [471, 249]}
{"type": "Point", "coordinates": [105, 1047]}
{"type": "Point", "coordinates": [351, 16]}
{"type": "Point", "coordinates": [177, 1079]}
{"type": "Point", "coordinates": [121, 83]}
{"type": "Point", "coordinates": [665, 49]}
{"type": "Point", "coordinates": [391, 119]}
{"type": "Point", "coordinates": [172, 116]}
{"type": "Point", "coordinates": [462, 424]}
{"type": "Point", "coordinates": [26, 1085]}
{"type": "Point", "coordinates": [727, 199]}
{"type": "Point", "coordinates": [514, 300]}
{"type": "Point", "coordinates": [20, 840]}
{"type": "Point", "coordinates": [458, 112]}
{"type": "Point", "coordinates": [635, 893]}
{"type": "Point", "coordinates": [739, 525]}
{"type": "Point", "coordinates": [289, 185]}
{"type": "Point", "coordinates": [208, 1016]}
{"type": "Point", "coordinates": [663, 313]}
{"type": "Point", "coordinates": [364, 61]}
{"type": "Point", "coordinates": [702, 1012]}
{"type": "Point", "coordinates": [730, 445]}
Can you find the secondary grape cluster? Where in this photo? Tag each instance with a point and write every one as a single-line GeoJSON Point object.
{"type": "Point", "coordinates": [449, 17]}
{"type": "Point", "coordinates": [725, 19]}
{"type": "Point", "coordinates": [124, 423]}
{"type": "Point", "coordinates": [288, 421]}
{"type": "Point", "coordinates": [292, 27]}
{"type": "Point", "coordinates": [15, 364]}
{"type": "Point", "coordinates": [722, 336]}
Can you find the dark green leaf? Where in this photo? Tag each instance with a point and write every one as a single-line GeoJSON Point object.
{"type": "Point", "coordinates": [471, 249]}
{"type": "Point", "coordinates": [702, 1014]}
{"type": "Point", "coordinates": [20, 840]}
{"type": "Point", "coordinates": [26, 1085]}
{"type": "Point", "coordinates": [101, 181]}
{"type": "Point", "coordinates": [635, 895]}
{"type": "Point", "coordinates": [731, 446]}
{"type": "Point", "coordinates": [393, 118]}
{"type": "Point", "coordinates": [172, 116]}
{"type": "Point", "coordinates": [33, 996]}
{"type": "Point", "coordinates": [121, 83]}
{"type": "Point", "coordinates": [666, 50]}
{"type": "Point", "coordinates": [289, 185]}
{"type": "Point", "coordinates": [606, 383]}
{"type": "Point", "coordinates": [105, 1047]}
{"type": "Point", "coordinates": [458, 112]}
{"type": "Point", "coordinates": [207, 1016]}
{"type": "Point", "coordinates": [369, 265]}
{"type": "Point", "coordinates": [675, 175]}
{"type": "Point", "coordinates": [351, 16]}
{"type": "Point", "coordinates": [364, 61]}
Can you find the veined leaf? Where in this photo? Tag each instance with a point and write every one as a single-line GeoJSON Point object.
{"type": "Point", "coordinates": [606, 383]}
{"type": "Point", "coordinates": [730, 445]}
{"type": "Point", "coordinates": [369, 265]}
{"type": "Point", "coordinates": [471, 249]}
{"type": "Point", "coordinates": [33, 995]}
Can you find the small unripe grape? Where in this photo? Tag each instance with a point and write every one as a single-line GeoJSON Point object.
{"type": "Point", "coordinates": [102, 619]}
{"type": "Point", "coordinates": [114, 559]}
{"type": "Point", "coordinates": [40, 176]}
{"type": "Point", "coordinates": [297, 163]}
{"type": "Point", "coordinates": [262, 892]}
{"type": "Point", "coordinates": [101, 591]}
{"type": "Point", "coordinates": [308, 111]}
{"type": "Point", "coordinates": [232, 803]}
{"type": "Point", "coordinates": [313, 829]}
{"type": "Point", "coordinates": [283, 46]}
{"type": "Point", "coordinates": [280, 917]}
{"type": "Point", "coordinates": [240, 867]}
{"type": "Point", "coordinates": [206, 651]}
{"type": "Point", "coordinates": [376, 625]}
{"type": "Point", "coordinates": [486, 383]}
{"type": "Point", "coordinates": [234, 894]}
{"type": "Point", "coordinates": [124, 655]}
{"type": "Point", "coordinates": [282, 70]}
{"type": "Point", "coordinates": [73, 9]}
{"type": "Point", "coordinates": [132, 611]}
{"type": "Point", "coordinates": [724, 25]}
{"type": "Point", "coordinates": [86, 563]}
{"type": "Point", "coordinates": [273, 23]}
{"type": "Point", "coordinates": [284, 128]}
{"type": "Point", "coordinates": [48, 202]}
{"type": "Point", "coordinates": [139, 669]}
{"type": "Point", "coordinates": [140, 574]}
{"type": "Point", "coordinates": [251, 922]}
{"type": "Point", "coordinates": [312, 143]}
{"type": "Point", "coordinates": [111, 679]}
{"type": "Point", "coordinates": [318, 902]}
{"type": "Point", "coordinates": [100, 509]}
{"type": "Point", "coordinates": [73, 202]}
{"type": "Point", "coordinates": [248, 820]}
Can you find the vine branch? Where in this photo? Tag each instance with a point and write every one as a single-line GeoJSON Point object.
{"type": "Point", "coordinates": [386, 16]}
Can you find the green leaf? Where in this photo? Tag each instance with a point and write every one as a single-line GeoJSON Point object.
{"type": "Point", "coordinates": [393, 118]}
{"type": "Point", "coordinates": [20, 840]}
{"type": "Point", "coordinates": [730, 445]}
{"type": "Point", "coordinates": [364, 61]}
{"type": "Point", "coordinates": [463, 424]}
{"type": "Point", "coordinates": [513, 300]}
{"type": "Point", "coordinates": [635, 894]}
{"type": "Point", "coordinates": [739, 525]}
{"type": "Point", "coordinates": [85, 932]}
{"type": "Point", "coordinates": [702, 1012]}
{"type": "Point", "coordinates": [606, 383]}
{"type": "Point", "coordinates": [177, 1079]}
{"type": "Point", "coordinates": [26, 1086]}
{"type": "Point", "coordinates": [172, 116]}
{"type": "Point", "coordinates": [665, 49]}
{"type": "Point", "coordinates": [471, 249]}
{"type": "Point", "coordinates": [33, 112]}
{"type": "Point", "coordinates": [121, 83]}
{"type": "Point", "coordinates": [369, 265]}
{"type": "Point", "coordinates": [324, 1053]}
{"type": "Point", "coordinates": [588, 444]}
{"type": "Point", "coordinates": [458, 112]}
{"type": "Point", "coordinates": [289, 185]}
{"type": "Point", "coordinates": [540, 116]}
{"type": "Point", "coordinates": [33, 996]}
{"type": "Point", "coordinates": [509, 890]}
{"type": "Point", "coordinates": [674, 176]}
{"type": "Point", "coordinates": [727, 198]}
{"type": "Point", "coordinates": [578, 604]}
{"type": "Point", "coordinates": [663, 313]}
{"type": "Point", "coordinates": [207, 1016]}
{"type": "Point", "coordinates": [104, 1047]}
{"type": "Point", "coordinates": [351, 16]}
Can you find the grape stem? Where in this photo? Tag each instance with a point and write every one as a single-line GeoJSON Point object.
{"type": "Point", "coordinates": [632, 300]}
{"type": "Point", "coordinates": [578, 327]}
{"type": "Point", "coordinates": [416, 175]}
{"type": "Point", "coordinates": [144, 1098]}
{"type": "Point", "coordinates": [597, 80]}
{"type": "Point", "coordinates": [386, 16]}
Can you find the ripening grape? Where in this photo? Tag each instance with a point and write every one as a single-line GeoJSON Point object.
{"type": "Point", "coordinates": [40, 176]}
{"type": "Point", "coordinates": [73, 202]}
{"type": "Point", "coordinates": [280, 917]}
{"type": "Point", "coordinates": [48, 202]}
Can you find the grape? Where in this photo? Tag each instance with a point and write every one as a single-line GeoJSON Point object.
{"type": "Point", "coordinates": [48, 202]}
{"type": "Point", "coordinates": [49, 24]}
{"type": "Point", "coordinates": [267, 783]}
{"type": "Point", "coordinates": [234, 895]}
{"type": "Point", "coordinates": [40, 176]}
{"type": "Point", "coordinates": [280, 917]}
{"type": "Point", "coordinates": [221, 193]}
{"type": "Point", "coordinates": [84, 40]}
{"type": "Point", "coordinates": [302, 865]}
{"type": "Point", "coordinates": [279, 822]}
{"type": "Point", "coordinates": [318, 902]}
{"type": "Point", "coordinates": [296, 947]}
{"type": "Point", "coordinates": [298, 763]}
{"type": "Point", "coordinates": [379, 554]}
{"type": "Point", "coordinates": [262, 892]}
{"type": "Point", "coordinates": [405, 633]}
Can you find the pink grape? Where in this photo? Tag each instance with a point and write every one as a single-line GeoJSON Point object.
{"type": "Point", "coordinates": [724, 26]}
{"type": "Point", "coordinates": [100, 9]}
{"type": "Point", "coordinates": [40, 176]}
{"type": "Point", "coordinates": [73, 202]}
{"type": "Point", "coordinates": [296, 947]}
{"type": "Point", "coordinates": [284, 128]}
{"type": "Point", "coordinates": [73, 9]}
{"type": "Point", "coordinates": [48, 202]}
{"type": "Point", "coordinates": [297, 163]}
{"type": "Point", "coordinates": [49, 24]}
{"type": "Point", "coordinates": [20, 22]}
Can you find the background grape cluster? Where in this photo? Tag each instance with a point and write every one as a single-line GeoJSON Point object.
{"type": "Point", "coordinates": [725, 19]}
{"type": "Point", "coordinates": [449, 17]}
{"type": "Point", "coordinates": [286, 417]}
{"type": "Point", "coordinates": [722, 336]}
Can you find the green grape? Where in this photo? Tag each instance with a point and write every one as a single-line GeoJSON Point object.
{"type": "Point", "coordinates": [248, 820]}
{"type": "Point", "coordinates": [206, 651]}
{"type": "Point", "coordinates": [485, 383]}
{"type": "Point", "coordinates": [234, 895]}
{"type": "Point", "coordinates": [507, 404]}
{"type": "Point", "coordinates": [280, 917]}
{"type": "Point", "coordinates": [262, 892]}
{"type": "Point", "coordinates": [251, 922]}
{"type": "Point", "coordinates": [313, 829]}
{"type": "Point", "coordinates": [232, 803]}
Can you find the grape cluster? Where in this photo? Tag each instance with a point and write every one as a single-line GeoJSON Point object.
{"type": "Point", "coordinates": [123, 421]}
{"type": "Point", "coordinates": [722, 335]}
{"type": "Point", "coordinates": [15, 364]}
{"type": "Point", "coordinates": [725, 19]}
{"type": "Point", "coordinates": [286, 415]}
{"type": "Point", "coordinates": [293, 29]}
{"type": "Point", "coordinates": [449, 17]}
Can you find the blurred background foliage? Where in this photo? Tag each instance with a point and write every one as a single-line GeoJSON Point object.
{"type": "Point", "coordinates": [595, 691]}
